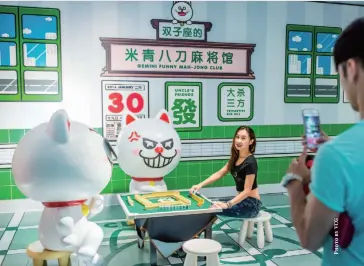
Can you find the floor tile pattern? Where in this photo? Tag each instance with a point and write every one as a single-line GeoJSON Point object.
{"type": "Point", "coordinates": [18, 229]}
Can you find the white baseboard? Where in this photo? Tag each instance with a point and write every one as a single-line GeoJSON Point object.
{"type": "Point", "coordinates": [110, 199]}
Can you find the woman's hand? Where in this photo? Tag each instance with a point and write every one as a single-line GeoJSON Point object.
{"type": "Point", "coordinates": [222, 205]}
{"type": "Point", "coordinates": [195, 188]}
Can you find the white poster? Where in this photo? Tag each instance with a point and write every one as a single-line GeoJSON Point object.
{"type": "Point", "coordinates": [235, 101]}
{"type": "Point", "coordinates": [119, 97]}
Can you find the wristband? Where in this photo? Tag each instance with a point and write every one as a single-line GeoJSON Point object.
{"type": "Point", "coordinates": [290, 177]}
{"type": "Point", "coordinates": [229, 204]}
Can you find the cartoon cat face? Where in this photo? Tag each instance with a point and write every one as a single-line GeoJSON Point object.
{"type": "Point", "coordinates": [62, 160]}
{"type": "Point", "coordinates": [182, 11]}
{"type": "Point", "coordinates": [148, 147]}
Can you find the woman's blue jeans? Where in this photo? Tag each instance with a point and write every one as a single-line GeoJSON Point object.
{"type": "Point", "coordinates": [248, 208]}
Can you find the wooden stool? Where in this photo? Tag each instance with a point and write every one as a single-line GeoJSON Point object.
{"type": "Point", "coordinates": [204, 248]}
{"type": "Point", "coordinates": [40, 255]}
{"type": "Point", "coordinates": [263, 225]}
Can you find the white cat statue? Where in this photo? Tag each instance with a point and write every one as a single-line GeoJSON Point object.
{"type": "Point", "coordinates": [148, 150]}
{"type": "Point", "coordinates": [65, 165]}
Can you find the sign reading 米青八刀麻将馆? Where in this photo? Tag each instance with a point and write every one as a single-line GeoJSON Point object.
{"type": "Point", "coordinates": [235, 101]}
{"type": "Point", "coordinates": [180, 49]}
{"type": "Point", "coordinates": [184, 103]}
{"type": "Point", "coordinates": [167, 30]}
{"type": "Point", "coordinates": [150, 58]}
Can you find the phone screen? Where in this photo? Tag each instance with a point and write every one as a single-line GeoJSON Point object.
{"type": "Point", "coordinates": [311, 121]}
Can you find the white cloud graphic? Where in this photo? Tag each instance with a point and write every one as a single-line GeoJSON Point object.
{"type": "Point", "coordinates": [297, 38]}
{"type": "Point", "coordinates": [27, 31]}
{"type": "Point", "coordinates": [5, 35]}
{"type": "Point", "coordinates": [305, 49]}
{"type": "Point", "coordinates": [48, 19]}
{"type": "Point", "coordinates": [319, 46]}
{"type": "Point", "coordinates": [334, 36]}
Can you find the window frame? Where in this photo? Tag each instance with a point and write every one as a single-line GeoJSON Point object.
{"type": "Point", "coordinates": [12, 97]}
{"type": "Point", "coordinates": [314, 30]}
{"type": "Point", "coordinates": [19, 12]}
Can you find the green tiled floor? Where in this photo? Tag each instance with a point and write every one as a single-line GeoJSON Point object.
{"type": "Point", "coordinates": [23, 237]}
{"type": "Point", "coordinates": [283, 212]}
{"type": "Point", "coordinates": [5, 219]}
{"type": "Point", "coordinates": [120, 244]}
{"type": "Point", "coordinates": [275, 200]}
{"type": "Point", "coordinates": [304, 260]}
{"type": "Point", "coordinates": [30, 218]}
{"type": "Point", "coordinates": [285, 240]}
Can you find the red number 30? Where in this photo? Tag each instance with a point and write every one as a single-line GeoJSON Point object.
{"type": "Point", "coordinates": [117, 105]}
{"type": "Point", "coordinates": [117, 102]}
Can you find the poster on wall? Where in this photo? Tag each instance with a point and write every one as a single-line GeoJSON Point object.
{"type": "Point", "coordinates": [119, 97]}
{"type": "Point", "coordinates": [235, 102]}
{"type": "Point", "coordinates": [184, 103]}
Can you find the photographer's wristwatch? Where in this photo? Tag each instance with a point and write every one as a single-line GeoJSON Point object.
{"type": "Point", "coordinates": [290, 177]}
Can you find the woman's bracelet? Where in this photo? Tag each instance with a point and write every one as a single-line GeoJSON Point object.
{"type": "Point", "coordinates": [229, 204]}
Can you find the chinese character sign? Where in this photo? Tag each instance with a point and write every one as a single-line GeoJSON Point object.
{"type": "Point", "coordinates": [168, 30]}
{"type": "Point", "coordinates": [119, 97]}
{"type": "Point", "coordinates": [184, 104]}
{"type": "Point", "coordinates": [235, 102]}
{"type": "Point", "coordinates": [177, 59]}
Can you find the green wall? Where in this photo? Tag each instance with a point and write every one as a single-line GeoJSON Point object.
{"type": "Point", "coordinates": [186, 174]}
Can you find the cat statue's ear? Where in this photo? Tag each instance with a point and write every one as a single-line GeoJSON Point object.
{"type": "Point", "coordinates": [59, 127]}
{"type": "Point", "coordinates": [128, 118]}
{"type": "Point", "coordinates": [163, 115]}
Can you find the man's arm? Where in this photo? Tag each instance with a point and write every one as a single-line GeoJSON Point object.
{"type": "Point", "coordinates": [313, 217]}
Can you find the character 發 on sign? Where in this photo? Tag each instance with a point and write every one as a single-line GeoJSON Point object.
{"type": "Point", "coordinates": [65, 165]}
{"type": "Point", "coordinates": [148, 150]}
{"type": "Point", "coordinates": [182, 12]}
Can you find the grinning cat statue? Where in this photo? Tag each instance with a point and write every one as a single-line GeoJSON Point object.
{"type": "Point", "coordinates": [148, 150]}
{"type": "Point", "coordinates": [65, 165]}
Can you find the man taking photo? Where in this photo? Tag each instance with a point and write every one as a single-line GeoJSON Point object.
{"type": "Point", "coordinates": [337, 177]}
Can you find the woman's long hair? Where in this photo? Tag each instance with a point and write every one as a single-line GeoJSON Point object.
{"type": "Point", "coordinates": [234, 152]}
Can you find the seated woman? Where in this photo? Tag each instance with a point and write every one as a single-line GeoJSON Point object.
{"type": "Point", "coordinates": [244, 168]}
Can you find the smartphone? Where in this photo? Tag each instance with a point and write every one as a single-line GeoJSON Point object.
{"type": "Point", "coordinates": [311, 123]}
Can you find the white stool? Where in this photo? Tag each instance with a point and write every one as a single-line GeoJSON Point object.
{"type": "Point", "coordinates": [247, 228]}
{"type": "Point", "coordinates": [204, 248]}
